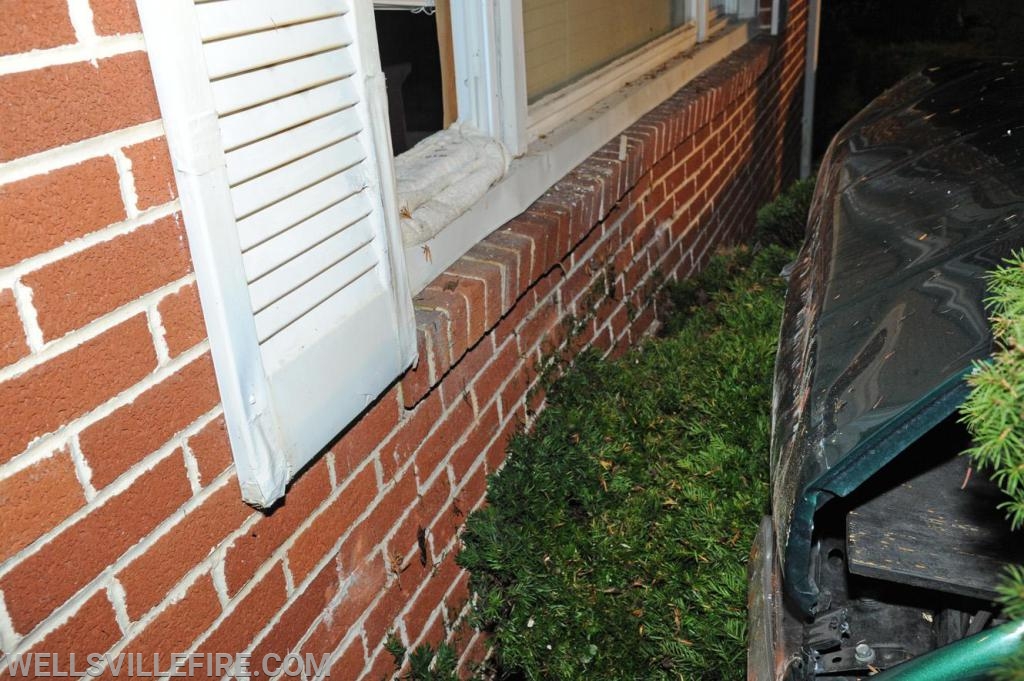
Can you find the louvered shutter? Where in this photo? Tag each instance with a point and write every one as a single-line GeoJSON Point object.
{"type": "Point", "coordinates": [275, 113]}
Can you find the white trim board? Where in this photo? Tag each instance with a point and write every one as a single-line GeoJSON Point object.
{"type": "Point", "coordinates": [551, 158]}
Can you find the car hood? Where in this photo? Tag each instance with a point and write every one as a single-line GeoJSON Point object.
{"type": "Point", "coordinates": [918, 197]}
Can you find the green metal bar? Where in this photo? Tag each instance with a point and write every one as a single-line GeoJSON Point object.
{"type": "Point", "coordinates": [969, 659]}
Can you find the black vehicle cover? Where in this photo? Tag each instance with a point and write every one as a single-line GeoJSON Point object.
{"type": "Point", "coordinates": [918, 197]}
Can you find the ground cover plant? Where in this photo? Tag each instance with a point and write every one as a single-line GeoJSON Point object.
{"type": "Point", "coordinates": [615, 540]}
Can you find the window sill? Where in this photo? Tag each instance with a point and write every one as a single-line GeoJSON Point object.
{"type": "Point", "coordinates": [552, 156]}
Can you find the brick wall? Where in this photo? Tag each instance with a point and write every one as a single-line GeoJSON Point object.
{"type": "Point", "coordinates": [123, 529]}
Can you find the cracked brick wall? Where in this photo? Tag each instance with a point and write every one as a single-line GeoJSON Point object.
{"type": "Point", "coordinates": [123, 528]}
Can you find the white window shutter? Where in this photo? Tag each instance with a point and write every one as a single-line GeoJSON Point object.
{"type": "Point", "coordinates": [276, 118]}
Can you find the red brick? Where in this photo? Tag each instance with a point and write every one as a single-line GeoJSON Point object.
{"type": "Point", "coordinates": [428, 506]}
{"type": "Point", "coordinates": [381, 667]}
{"type": "Point", "coordinates": [368, 534]}
{"type": "Point", "coordinates": [350, 663]}
{"type": "Point", "coordinates": [52, 394]}
{"type": "Point", "coordinates": [475, 446]}
{"type": "Point", "coordinates": [361, 588]}
{"type": "Point", "coordinates": [544, 238]}
{"type": "Point", "coordinates": [522, 246]}
{"type": "Point", "coordinates": [148, 578]}
{"type": "Point", "coordinates": [504, 264]}
{"type": "Point", "coordinates": [472, 491]}
{"type": "Point", "coordinates": [297, 618]}
{"type": "Point", "coordinates": [57, 105]}
{"type": "Point", "coordinates": [252, 549]}
{"type": "Point", "coordinates": [73, 291]}
{"type": "Point", "coordinates": [383, 617]}
{"type": "Point", "coordinates": [433, 331]}
{"type": "Point", "coordinates": [13, 345]}
{"type": "Point", "coordinates": [152, 171]}
{"type": "Point", "coordinates": [47, 578]}
{"type": "Point", "coordinates": [35, 25]}
{"type": "Point", "coordinates": [443, 439]}
{"type": "Point", "coordinates": [36, 499]}
{"type": "Point", "coordinates": [416, 382]}
{"type": "Point", "coordinates": [177, 626]}
{"type": "Point", "coordinates": [134, 431]}
{"type": "Point", "coordinates": [112, 17]}
{"type": "Point", "coordinates": [456, 384]}
{"type": "Point", "coordinates": [45, 211]}
{"type": "Point", "coordinates": [428, 601]}
{"type": "Point", "coordinates": [410, 434]}
{"type": "Point", "coordinates": [364, 436]}
{"type": "Point", "coordinates": [211, 449]}
{"type": "Point", "coordinates": [328, 527]}
{"type": "Point", "coordinates": [490, 276]}
{"type": "Point", "coordinates": [93, 629]}
{"type": "Point", "coordinates": [489, 380]}
{"type": "Point", "coordinates": [442, 294]}
{"type": "Point", "coordinates": [182, 319]}
{"type": "Point", "coordinates": [251, 614]}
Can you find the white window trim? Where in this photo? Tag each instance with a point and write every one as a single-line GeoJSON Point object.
{"type": "Point", "coordinates": [490, 68]}
{"type": "Point", "coordinates": [557, 108]}
{"type": "Point", "coordinates": [559, 152]}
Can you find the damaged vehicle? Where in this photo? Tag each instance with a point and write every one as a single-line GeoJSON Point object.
{"type": "Point", "coordinates": [884, 549]}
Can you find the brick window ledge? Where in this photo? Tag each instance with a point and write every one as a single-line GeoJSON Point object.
{"type": "Point", "coordinates": [655, 185]}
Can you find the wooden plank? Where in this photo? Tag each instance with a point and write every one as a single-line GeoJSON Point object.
{"type": "Point", "coordinates": [443, 15]}
{"type": "Point", "coordinates": [930, 533]}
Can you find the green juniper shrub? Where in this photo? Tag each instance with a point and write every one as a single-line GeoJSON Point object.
{"type": "Point", "coordinates": [615, 539]}
{"type": "Point", "coordinates": [784, 220]}
{"type": "Point", "coordinates": [994, 416]}
{"type": "Point", "coordinates": [425, 663]}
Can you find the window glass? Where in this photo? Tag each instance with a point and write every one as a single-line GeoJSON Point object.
{"type": "Point", "coordinates": [410, 54]}
{"type": "Point", "coordinates": [567, 39]}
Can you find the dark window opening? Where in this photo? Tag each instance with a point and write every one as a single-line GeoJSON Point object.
{"type": "Point", "coordinates": [411, 58]}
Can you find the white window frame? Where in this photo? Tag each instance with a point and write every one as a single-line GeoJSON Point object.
{"type": "Point", "coordinates": [554, 134]}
